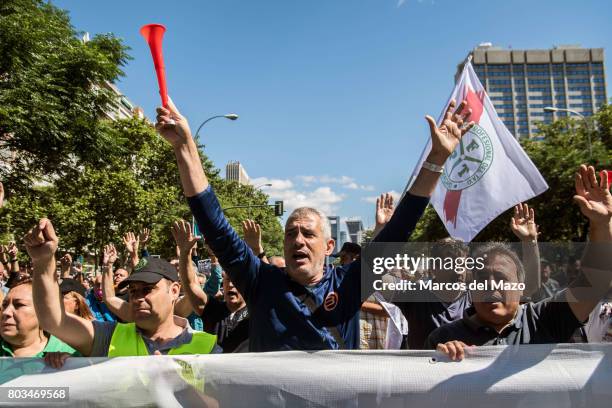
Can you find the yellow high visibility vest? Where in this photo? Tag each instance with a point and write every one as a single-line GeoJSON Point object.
{"type": "Point", "coordinates": [127, 342]}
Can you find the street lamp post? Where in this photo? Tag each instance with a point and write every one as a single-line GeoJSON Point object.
{"type": "Point", "coordinates": [230, 116]}
{"type": "Point", "coordinates": [581, 116]}
{"type": "Point", "coordinates": [262, 185]}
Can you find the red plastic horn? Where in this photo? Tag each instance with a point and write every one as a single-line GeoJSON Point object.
{"type": "Point", "coordinates": [153, 34]}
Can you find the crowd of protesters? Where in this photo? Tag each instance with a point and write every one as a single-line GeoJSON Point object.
{"type": "Point", "coordinates": [249, 302]}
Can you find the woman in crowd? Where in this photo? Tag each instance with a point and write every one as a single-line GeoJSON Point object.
{"type": "Point", "coordinates": [21, 336]}
{"type": "Point", "coordinates": [74, 293]}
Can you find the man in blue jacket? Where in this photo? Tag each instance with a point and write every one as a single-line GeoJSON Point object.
{"type": "Point", "coordinates": [308, 305]}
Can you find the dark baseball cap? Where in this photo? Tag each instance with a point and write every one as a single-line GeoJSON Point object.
{"type": "Point", "coordinates": [72, 285]}
{"type": "Point", "coordinates": [349, 247]}
{"type": "Point", "coordinates": [151, 270]}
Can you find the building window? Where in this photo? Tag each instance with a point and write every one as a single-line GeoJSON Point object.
{"type": "Point", "coordinates": [499, 66]}
{"type": "Point", "coordinates": [538, 81]}
{"type": "Point", "coordinates": [579, 89]}
{"type": "Point", "coordinates": [573, 72]}
{"type": "Point", "coordinates": [580, 105]}
{"type": "Point", "coordinates": [500, 89]}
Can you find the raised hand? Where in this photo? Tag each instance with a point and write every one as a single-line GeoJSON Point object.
{"type": "Point", "coordinates": [109, 255]}
{"type": "Point", "coordinates": [66, 264]}
{"type": "Point", "coordinates": [130, 240]}
{"type": "Point", "coordinates": [444, 138]}
{"type": "Point", "coordinates": [78, 268]}
{"type": "Point", "coordinates": [172, 125]}
{"type": "Point", "coordinates": [594, 198]}
{"type": "Point", "coordinates": [41, 242]}
{"type": "Point", "coordinates": [523, 223]}
{"type": "Point", "coordinates": [252, 236]}
{"type": "Point", "coordinates": [13, 250]}
{"type": "Point", "coordinates": [384, 209]}
{"type": "Point", "coordinates": [144, 236]}
{"type": "Point", "coordinates": [185, 240]}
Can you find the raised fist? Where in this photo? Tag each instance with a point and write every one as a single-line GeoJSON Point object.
{"type": "Point", "coordinates": [41, 242]}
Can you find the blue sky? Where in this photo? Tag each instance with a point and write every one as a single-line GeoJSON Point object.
{"type": "Point", "coordinates": [331, 93]}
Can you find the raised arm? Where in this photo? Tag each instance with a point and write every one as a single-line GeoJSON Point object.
{"type": "Point", "coordinates": [181, 231]}
{"type": "Point", "coordinates": [41, 243]}
{"type": "Point", "coordinates": [523, 225]}
{"type": "Point", "coordinates": [175, 129]}
{"type": "Point", "coordinates": [132, 243]}
{"type": "Point", "coordinates": [143, 238]}
{"type": "Point", "coordinates": [444, 139]}
{"type": "Point", "coordinates": [252, 237]}
{"type": "Point", "coordinates": [65, 265]}
{"type": "Point", "coordinates": [384, 212]}
{"type": "Point", "coordinates": [116, 305]}
{"type": "Point", "coordinates": [595, 203]}
{"type": "Point", "coordinates": [234, 255]}
{"type": "Point", "coordinates": [12, 252]}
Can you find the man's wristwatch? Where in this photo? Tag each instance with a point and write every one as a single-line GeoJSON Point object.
{"type": "Point", "coordinates": [262, 254]}
{"type": "Point", "coordinates": [433, 167]}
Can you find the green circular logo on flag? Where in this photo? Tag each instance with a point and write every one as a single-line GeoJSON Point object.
{"type": "Point", "coordinates": [470, 160]}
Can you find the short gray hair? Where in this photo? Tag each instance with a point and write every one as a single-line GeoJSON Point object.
{"type": "Point", "coordinates": [499, 248]}
{"type": "Point", "coordinates": [303, 211]}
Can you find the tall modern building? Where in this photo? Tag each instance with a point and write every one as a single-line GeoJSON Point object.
{"type": "Point", "coordinates": [343, 239]}
{"type": "Point", "coordinates": [234, 171]}
{"type": "Point", "coordinates": [334, 223]}
{"type": "Point", "coordinates": [521, 83]}
{"type": "Point", "coordinates": [355, 230]}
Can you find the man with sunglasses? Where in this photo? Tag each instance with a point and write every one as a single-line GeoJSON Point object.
{"type": "Point", "coordinates": [153, 290]}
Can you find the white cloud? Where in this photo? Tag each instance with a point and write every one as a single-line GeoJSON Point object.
{"type": "Point", "coordinates": [322, 198]}
{"type": "Point", "coordinates": [344, 181]}
{"type": "Point", "coordinates": [278, 184]}
{"type": "Point", "coordinates": [307, 180]}
{"type": "Point", "coordinates": [372, 199]}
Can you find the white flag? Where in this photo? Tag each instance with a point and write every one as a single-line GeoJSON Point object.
{"type": "Point", "coordinates": [487, 173]}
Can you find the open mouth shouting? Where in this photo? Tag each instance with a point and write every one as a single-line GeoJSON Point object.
{"type": "Point", "coordinates": [300, 258]}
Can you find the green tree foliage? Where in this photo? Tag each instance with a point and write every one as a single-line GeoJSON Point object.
{"type": "Point", "coordinates": [64, 159]}
{"type": "Point", "coordinates": [557, 153]}
{"type": "Point", "coordinates": [232, 194]}
{"type": "Point", "coordinates": [52, 91]}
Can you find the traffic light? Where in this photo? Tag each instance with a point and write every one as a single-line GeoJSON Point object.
{"type": "Point", "coordinates": [278, 208]}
